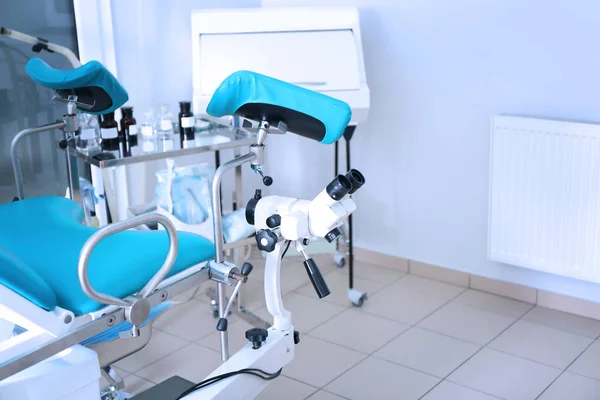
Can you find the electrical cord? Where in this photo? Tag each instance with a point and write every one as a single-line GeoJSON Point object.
{"type": "Point", "coordinates": [249, 371]}
{"type": "Point", "coordinates": [286, 248]}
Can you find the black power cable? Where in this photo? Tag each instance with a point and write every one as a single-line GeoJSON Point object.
{"type": "Point", "coordinates": [249, 371]}
{"type": "Point", "coordinates": [286, 248]}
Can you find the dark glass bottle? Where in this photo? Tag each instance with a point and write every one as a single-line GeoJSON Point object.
{"type": "Point", "coordinates": [186, 124]}
{"type": "Point", "coordinates": [109, 133]}
{"type": "Point", "coordinates": [129, 130]}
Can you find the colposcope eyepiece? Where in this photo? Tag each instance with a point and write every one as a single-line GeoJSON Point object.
{"type": "Point", "coordinates": [356, 178]}
{"type": "Point", "coordinates": [338, 187]}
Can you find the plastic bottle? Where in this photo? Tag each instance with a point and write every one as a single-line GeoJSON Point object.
{"type": "Point", "coordinates": [129, 129]}
{"type": "Point", "coordinates": [109, 133]}
{"type": "Point", "coordinates": [186, 124]}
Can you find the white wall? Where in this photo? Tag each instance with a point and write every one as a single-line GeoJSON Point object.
{"type": "Point", "coordinates": [438, 70]}
{"type": "Point", "coordinates": [153, 51]}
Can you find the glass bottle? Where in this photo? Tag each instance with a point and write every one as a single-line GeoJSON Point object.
{"type": "Point", "coordinates": [129, 129]}
{"type": "Point", "coordinates": [164, 129]}
{"type": "Point", "coordinates": [186, 124]}
{"type": "Point", "coordinates": [149, 144]}
{"type": "Point", "coordinates": [109, 133]}
{"type": "Point", "coordinates": [88, 140]}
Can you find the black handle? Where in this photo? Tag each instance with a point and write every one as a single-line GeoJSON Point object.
{"type": "Point", "coordinates": [246, 269]}
{"type": "Point", "coordinates": [316, 278]}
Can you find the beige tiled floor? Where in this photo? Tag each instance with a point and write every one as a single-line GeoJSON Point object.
{"type": "Point", "coordinates": [414, 338]}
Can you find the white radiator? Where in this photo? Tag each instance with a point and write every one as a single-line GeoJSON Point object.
{"type": "Point", "coordinates": [545, 196]}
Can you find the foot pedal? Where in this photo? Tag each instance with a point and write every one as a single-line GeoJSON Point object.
{"type": "Point", "coordinates": [169, 389]}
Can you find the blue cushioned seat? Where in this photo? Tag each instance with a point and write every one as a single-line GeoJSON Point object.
{"type": "Point", "coordinates": [258, 97]}
{"type": "Point", "coordinates": [91, 83]}
{"type": "Point", "coordinates": [41, 239]}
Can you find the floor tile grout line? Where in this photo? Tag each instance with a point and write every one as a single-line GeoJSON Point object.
{"type": "Point", "coordinates": [347, 308]}
{"type": "Point", "coordinates": [162, 358]}
{"type": "Point", "coordinates": [346, 370]}
{"type": "Point", "coordinates": [327, 391]}
{"type": "Point", "coordinates": [568, 366]}
{"type": "Point", "coordinates": [525, 358]}
{"type": "Point", "coordinates": [371, 354]}
{"type": "Point", "coordinates": [469, 358]}
{"type": "Point", "coordinates": [466, 387]}
{"type": "Point", "coordinates": [412, 325]}
{"type": "Point", "coordinates": [596, 337]}
{"type": "Point", "coordinates": [581, 375]}
{"type": "Point", "coordinates": [384, 286]}
{"type": "Point", "coordinates": [336, 344]}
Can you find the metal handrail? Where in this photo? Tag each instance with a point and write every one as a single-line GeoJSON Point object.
{"type": "Point", "coordinates": [15, 155]}
{"type": "Point", "coordinates": [92, 242]}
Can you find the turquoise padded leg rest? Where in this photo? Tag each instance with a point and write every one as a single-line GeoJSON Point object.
{"type": "Point", "coordinates": [257, 97]}
{"type": "Point", "coordinates": [41, 240]}
{"type": "Point", "coordinates": [91, 83]}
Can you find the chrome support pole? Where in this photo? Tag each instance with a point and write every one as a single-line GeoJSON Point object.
{"type": "Point", "coordinates": [218, 228]}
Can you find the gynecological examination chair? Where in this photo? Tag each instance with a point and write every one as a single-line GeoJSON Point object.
{"type": "Point", "coordinates": [75, 299]}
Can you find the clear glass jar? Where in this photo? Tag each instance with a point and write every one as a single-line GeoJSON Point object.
{"type": "Point", "coordinates": [164, 123]}
{"type": "Point", "coordinates": [88, 140]}
{"type": "Point", "coordinates": [148, 135]}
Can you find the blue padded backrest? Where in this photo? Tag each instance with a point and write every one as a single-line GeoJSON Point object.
{"type": "Point", "coordinates": [307, 113]}
{"type": "Point", "coordinates": [45, 236]}
{"type": "Point", "coordinates": [92, 83]}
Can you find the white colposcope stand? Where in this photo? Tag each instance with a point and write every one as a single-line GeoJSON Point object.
{"type": "Point", "coordinates": [278, 220]}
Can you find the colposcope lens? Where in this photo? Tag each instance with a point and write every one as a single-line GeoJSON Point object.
{"type": "Point", "coordinates": [338, 187]}
{"type": "Point", "coordinates": [356, 178]}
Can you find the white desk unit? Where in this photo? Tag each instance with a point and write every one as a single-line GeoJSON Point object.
{"type": "Point", "coordinates": [319, 48]}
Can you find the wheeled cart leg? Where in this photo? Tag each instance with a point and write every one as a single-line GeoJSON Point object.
{"type": "Point", "coordinates": [356, 297]}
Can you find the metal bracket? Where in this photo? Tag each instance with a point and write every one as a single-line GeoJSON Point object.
{"type": "Point", "coordinates": [222, 272]}
{"type": "Point", "coordinates": [84, 106]}
{"type": "Point", "coordinates": [254, 126]}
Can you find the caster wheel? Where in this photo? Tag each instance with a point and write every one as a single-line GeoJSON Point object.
{"type": "Point", "coordinates": [356, 297]}
{"type": "Point", "coordinates": [359, 303]}
{"type": "Point", "coordinates": [214, 308]}
{"type": "Point", "coordinates": [339, 259]}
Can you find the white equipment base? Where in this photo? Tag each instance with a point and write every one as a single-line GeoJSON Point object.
{"type": "Point", "coordinates": [70, 375]}
{"type": "Point", "coordinates": [274, 354]}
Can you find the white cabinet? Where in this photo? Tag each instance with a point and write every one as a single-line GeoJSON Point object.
{"type": "Point", "coordinates": [315, 47]}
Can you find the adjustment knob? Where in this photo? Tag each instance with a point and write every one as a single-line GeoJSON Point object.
{"type": "Point", "coordinates": [257, 336]}
{"type": "Point", "coordinates": [266, 240]}
{"type": "Point", "coordinates": [251, 207]}
{"type": "Point", "coordinates": [246, 269]}
{"type": "Point", "coordinates": [274, 221]}
{"type": "Point", "coordinates": [267, 181]}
